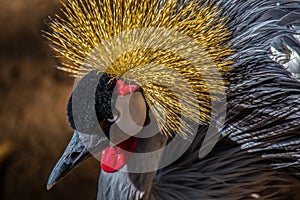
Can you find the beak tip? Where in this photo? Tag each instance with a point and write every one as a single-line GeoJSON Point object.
{"type": "Point", "coordinates": [49, 187]}
{"type": "Point", "coordinates": [50, 183]}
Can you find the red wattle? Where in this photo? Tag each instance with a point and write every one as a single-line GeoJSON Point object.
{"type": "Point", "coordinates": [124, 89]}
{"type": "Point", "coordinates": [114, 158]}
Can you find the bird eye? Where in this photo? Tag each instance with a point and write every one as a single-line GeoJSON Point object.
{"type": "Point", "coordinates": [114, 117]}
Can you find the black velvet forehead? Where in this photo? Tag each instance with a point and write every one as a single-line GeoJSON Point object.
{"type": "Point", "coordinates": [102, 100]}
{"type": "Point", "coordinates": [104, 97]}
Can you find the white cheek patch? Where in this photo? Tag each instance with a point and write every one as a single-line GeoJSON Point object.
{"type": "Point", "coordinates": [132, 109]}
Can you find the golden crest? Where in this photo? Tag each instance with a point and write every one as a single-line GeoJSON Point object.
{"type": "Point", "coordinates": [176, 52]}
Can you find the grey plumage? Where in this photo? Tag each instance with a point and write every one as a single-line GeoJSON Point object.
{"type": "Point", "coordinates": [285, 49]}
{"type": "Point", "coordinates": [258, 154]}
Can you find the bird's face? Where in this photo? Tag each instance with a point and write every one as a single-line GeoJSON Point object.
{"type": "Point", "coordinates": [126, 120]}
{"type": "Point", "coordinates": [108, 116]}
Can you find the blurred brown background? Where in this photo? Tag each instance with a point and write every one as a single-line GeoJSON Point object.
{"type": "Point", "coordinates": [33, 126]}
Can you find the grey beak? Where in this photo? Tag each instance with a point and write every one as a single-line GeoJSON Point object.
{"type": "Point", "coordinates": [75, 153]}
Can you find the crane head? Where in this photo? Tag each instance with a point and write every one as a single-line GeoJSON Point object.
{"type": "Point", "coordinates": [138, 70]}
{"type": "Point", "coordinates": [107, 115]}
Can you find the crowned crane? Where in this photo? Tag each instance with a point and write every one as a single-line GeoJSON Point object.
{"type": "Point", "coordinates": [195, 99]}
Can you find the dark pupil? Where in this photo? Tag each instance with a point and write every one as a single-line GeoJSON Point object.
{"type": "Point", "coordinates": [114, 116]}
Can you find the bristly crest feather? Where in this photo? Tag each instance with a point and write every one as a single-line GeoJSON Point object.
{"type": "Point", "coordinates": [127, 39]}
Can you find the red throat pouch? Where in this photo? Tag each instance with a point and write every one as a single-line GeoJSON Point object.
{"type": "Point", "coordinates": [114, 158]}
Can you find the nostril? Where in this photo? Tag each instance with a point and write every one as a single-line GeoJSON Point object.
{"type": "Point", "coordinates": [74, 155]}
